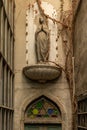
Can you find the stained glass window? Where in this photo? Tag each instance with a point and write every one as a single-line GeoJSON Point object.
{"type": "Point", "coordinates": [42, 108]}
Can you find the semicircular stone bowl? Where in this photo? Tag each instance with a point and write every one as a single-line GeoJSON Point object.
{"type": "Point", "coordinates": [42, 72]}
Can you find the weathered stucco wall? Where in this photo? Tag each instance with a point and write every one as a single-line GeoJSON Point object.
{"type": "Point", "coordinates": [80, 48]}
{"type": "Point", "coordinates": [26, 90]}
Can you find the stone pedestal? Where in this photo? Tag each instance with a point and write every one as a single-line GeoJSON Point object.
{"type": "Point", "coordinates": [42, 72]}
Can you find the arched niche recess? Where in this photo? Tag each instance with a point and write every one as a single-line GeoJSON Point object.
{"type": "Point", "coordinates": [42, 114]}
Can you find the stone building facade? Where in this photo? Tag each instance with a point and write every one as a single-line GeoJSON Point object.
{"type": "Point", "coordinates": [43, 103]}
{"type": "Point", "coordinates": [27, 91]}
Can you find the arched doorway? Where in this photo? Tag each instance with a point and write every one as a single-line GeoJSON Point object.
{"type": "Point", "coordinates": [42, 114]}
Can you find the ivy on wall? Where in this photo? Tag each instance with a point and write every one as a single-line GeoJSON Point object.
{"type": "Point", "coordinates": [66, 29]}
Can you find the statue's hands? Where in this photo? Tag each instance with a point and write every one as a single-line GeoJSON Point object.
{"type": "Point", "coordinates": [42, 27]}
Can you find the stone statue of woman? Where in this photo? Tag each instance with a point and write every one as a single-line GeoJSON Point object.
{"type": "Point", "coordinates": [42, 41]}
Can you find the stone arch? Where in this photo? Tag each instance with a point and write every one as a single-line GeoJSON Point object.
{"type": "Point", "coordinates": [52, 98]}
{"type": "Point", "coordinates": [42, 106]}
{"type": "Point", "coordinates": [57, 101]}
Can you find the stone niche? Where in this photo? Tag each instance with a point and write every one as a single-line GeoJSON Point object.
{"type": "Point", "coordinates": [46, 70]}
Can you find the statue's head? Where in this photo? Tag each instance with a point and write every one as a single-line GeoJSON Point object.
{"type": "Point", "coordinates": [41, 20]}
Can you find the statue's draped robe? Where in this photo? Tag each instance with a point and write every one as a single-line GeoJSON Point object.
{"type": "Point", "coordinates": [42, 43]}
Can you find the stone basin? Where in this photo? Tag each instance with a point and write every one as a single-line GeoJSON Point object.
{"type": "Point", "coordinates": [42, 72]}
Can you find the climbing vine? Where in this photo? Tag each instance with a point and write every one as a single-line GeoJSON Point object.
{"type": "Point", "coordinates": [66, 28]}
{"type": "Point", "coordinates": [66, 18]}
{"type": "Point", "coordinates": [65, 31]}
